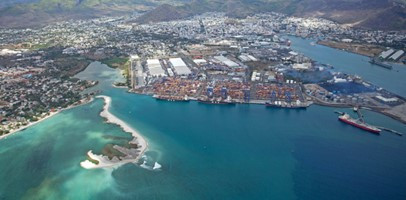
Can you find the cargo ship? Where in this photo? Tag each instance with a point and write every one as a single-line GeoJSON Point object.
{"type": "Point", "coordinates": [379, 63]}
{"type": "Point", "coordinates": [273, 105]}
{"type": "Point", "coordinates": [216, 101]}
{"type": "Point", "coordinates": [171, 98]}
{"type": "Point", "coordinates": [358, 123]}
{"type": "Point", "coordinates": [280, 104]}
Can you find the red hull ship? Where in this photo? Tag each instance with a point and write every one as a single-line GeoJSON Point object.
{"type": "Point", "coordinates": [359, 124]}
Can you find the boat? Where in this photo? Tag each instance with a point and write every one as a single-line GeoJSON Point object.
{"type": "Point", "coordinates": [171, 98]}
{"type": "Point", "coordinates": [279, 104]}
{"type": "Point", "coordinates": [381, 64]}
{"type": "Point", "coordinates": [346, 118]}
{"type": "Point", "coordinates": [272, 105]}
{"type": "Point", "coordinates": [214, 101]}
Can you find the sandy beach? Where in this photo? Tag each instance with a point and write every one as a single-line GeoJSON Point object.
{"type": "Point", "coordinates": [14, 131]}
{"type": "Point", "coordinates": [51, 114]}
{"type": "Point", "coordinates": [132, 155]}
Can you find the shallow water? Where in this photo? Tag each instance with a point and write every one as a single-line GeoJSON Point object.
{"type": "Point", "coordinates": [206, 152]}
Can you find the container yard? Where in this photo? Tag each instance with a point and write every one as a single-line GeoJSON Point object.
{"type": "Point", "coordinates": [266, 72]}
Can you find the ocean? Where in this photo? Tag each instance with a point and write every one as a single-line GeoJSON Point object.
{"type": "Point", "coordinates": [206, 152]}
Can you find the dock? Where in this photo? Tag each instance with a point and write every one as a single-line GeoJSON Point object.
{"type": "Point", "coordinates": [380, 127]}
{"type": "Point", "coordinates": [390, 130]}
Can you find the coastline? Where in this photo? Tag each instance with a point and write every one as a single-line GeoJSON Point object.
{"type": "Point", "coordinates": [131, 155]}
{"type": "Point", "coordinates": [14, 131]}
{"type": "Point", "coordinates": [345, 50]}
{"type": "Point", "coordinates": [50, 114]}
{"type": "Point", "coordinates": [316, 102]}
{"type": "Point", "coordinates": [354, 52]}
{"type": "Point", "coordinates": [373, 109]}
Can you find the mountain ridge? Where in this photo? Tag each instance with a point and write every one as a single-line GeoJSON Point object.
{"type": "Point", "coordinates": [372, 14]}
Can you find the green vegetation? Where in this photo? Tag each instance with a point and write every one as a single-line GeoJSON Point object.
{"type": "Point", "coordinates": [44, 11]}
{"type": "Point", "coordinates": [115, 62]}
{"type": "Point", "coordinates": [131, 146]}
{"type": "Point", "coordinates": [41, 46]}
{"type": "Point", "coordinates": [111, 152]}
{"type": "Point", "coordinates": [4, 132]}
{"type": "Point", "coordinates": [92, 160]}
{"type": "Point", "coordinates": [68, 5]}
{"type": "Point", "coordinates": [119, 63]}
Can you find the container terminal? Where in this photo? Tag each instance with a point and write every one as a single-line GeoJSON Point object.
{"type": "Point", "coordinates": [260, 70]}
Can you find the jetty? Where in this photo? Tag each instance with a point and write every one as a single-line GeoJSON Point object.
{"type": "Point", "coordinates": [361, 118]}
{"type": "Point", "coordinates": [390, 130]}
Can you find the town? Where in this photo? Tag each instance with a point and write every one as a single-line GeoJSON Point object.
{"type": "Point", "coordinates": [210, 58]}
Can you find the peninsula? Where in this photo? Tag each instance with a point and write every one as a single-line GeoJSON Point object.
{"type": "Point", "coordinates": [138, 145]}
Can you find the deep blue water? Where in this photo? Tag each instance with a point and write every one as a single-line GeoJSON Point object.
{"type": "Point", "coordinates": [206, 152]}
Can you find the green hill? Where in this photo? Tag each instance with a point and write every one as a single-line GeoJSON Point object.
{"type": "Point", "coordinates": [373, 14]}
{"type": "Point", "coordinates": [42, 12]}
{"type": "Point", "coordinates": [380, 14]}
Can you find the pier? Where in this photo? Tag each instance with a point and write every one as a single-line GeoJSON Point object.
{"type": "Point", "coordinates": [390, 130]}
{"type": "Point", "coordinates": [357, 110]}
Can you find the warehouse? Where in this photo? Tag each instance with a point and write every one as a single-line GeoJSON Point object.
{"type": "Point", "coordinates": [386, 54]}
{"type": "Point", "coordinates": [397, 55]}
{"type": "Point", "coordinates": [155, 68]}
{"type": "Point", "coordinates": [180, 66]}
{"type": "Point", "coordinates": [200, 61]}
{"type": "Point", "coordinates": [226, 61]}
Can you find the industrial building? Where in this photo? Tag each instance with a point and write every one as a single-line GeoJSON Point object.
{"type": "Point", "coordinates": [247, 58]}
{"type": "Point", "coordinates": [200, 61]}
{"type": "Point", "coordinates": [180, 67]}
{"type": "Point", "coordinates": [226, 61]}
{"type": "Point", "coordinates": [302, 66]}
{"type": "Point", "coordinates": [386, 54]}
{"type": "Point", "coordinates": [397, 55]}
{"type": "Point", "coordinates": [387, 100]}
{"type": "Point", "coordinates": [155, 68]}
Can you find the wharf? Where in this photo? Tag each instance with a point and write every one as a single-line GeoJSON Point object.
{"type": "Point", "coordinates": [390, 130]}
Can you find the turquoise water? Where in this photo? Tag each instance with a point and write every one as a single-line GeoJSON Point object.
{"type": "Point", "coordinates": [206, 152]}
{"type": "Point", "coordinates": [392, 80]}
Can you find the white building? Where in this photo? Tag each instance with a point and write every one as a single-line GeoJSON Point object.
{"type": "Point", "coordinates": [226, 61]}
{"type": "Point", "coordinates": [302, 66]}
{"type": "Point", "coordinates": [180, 66]}
{"type": "Point", "coordinates": [386, 54]}
{"type": "Point", "coordinates": [387, 100]}
{"type": "Point", "coordinates": [397, 55]}
{"type": "Point", "coordinates": [200, 61]}
{"type": "Point", "coordinates": [155, 68]}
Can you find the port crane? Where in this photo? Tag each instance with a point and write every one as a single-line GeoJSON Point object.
{"type": "Point", "coordinates": [357, 109]}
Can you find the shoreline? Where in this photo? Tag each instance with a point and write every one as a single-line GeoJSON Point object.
{"type": "Point", "coordinates": [357, 53]}
{"type": "Point", "coordinates": [319, 42]}
{"type": "Point", "coordinates": [50, 114]}
{"type": "Point", "coordinates": [315, 102]}
{"type": "Point", "coordinates": [12, 132]}
{"type": "Point", "coordinates": [132, 155]}
{"type": "Point", "coordinates": [381, 111]}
